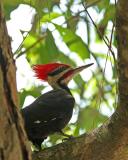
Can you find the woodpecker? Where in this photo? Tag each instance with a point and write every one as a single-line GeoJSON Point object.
{"type": "Point", "coordinates": [52, 111]}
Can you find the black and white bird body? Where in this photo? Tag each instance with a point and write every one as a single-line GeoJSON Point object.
{"type": "Point", "coordinates": [52, 111]}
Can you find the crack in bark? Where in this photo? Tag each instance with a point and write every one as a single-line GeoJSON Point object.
{"type": "Point", "coordinates": [1, 153]}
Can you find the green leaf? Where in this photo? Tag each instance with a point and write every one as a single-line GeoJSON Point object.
{"type": "Point", "coordinates": [74, 42]}
{"type": "Point", "coordinates": [34, 91]}
{"type": "Point", "coordinates": [108, 15]}
{"type": "Point", "coordinates": [65, 59]}
{"type": "Point", "coordinates": [89, 118]}
{"type": "Point", "coordinates": [43, 52]}
{"type": "Point", "coordinates": [103, 4]}
{"type": "Point", "coordinates": [91, 2]}
{"type": "Point", "coordinates": [50, 16]}
{"type": "Point", "coordinates": [9, 6]}
{"type": "Point", "coordinates": [30, 40]}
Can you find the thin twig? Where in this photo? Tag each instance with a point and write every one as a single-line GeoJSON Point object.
{"type": "Point", "coordinates": [108, 43]}
{"type": "Point", "coordinates": [20, 44]}
{"type": "Point", "coordinates": [100, 33]}
{"type": "Point", "coordinates": [30, 47]}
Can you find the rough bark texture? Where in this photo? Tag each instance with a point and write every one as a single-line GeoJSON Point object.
{"type": "Point", "coordinates": [110, 141]}
{"type": "Point", "coordinates": [13, 140]}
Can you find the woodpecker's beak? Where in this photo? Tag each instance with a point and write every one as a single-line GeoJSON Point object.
{"type": "Point", "coordinates": [71, 73]}
{"type": "Point", "coordinates": [81, 68]}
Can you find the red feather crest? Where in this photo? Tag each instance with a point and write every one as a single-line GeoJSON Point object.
{"type": "Point", "coordinates": [42, 70]}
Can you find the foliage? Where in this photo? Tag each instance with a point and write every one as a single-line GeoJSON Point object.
{"type": "Point", "coordinates": [64, 19]}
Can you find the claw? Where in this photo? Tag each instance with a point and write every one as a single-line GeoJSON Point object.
{"type": "Point", "coordinates": [66, 135]}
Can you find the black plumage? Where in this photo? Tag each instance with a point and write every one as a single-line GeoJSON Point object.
{"type": "Point", "coordinates": [48, 114]}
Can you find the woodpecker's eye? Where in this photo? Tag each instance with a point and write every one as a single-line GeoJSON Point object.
{"type": "Point", "coordinates": [58, 70]}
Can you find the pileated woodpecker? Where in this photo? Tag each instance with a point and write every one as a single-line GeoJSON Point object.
{"type": "Point", "coordinates": [52, 111]}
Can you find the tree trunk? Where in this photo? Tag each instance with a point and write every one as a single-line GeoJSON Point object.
{"type": "Point", "coordinates": [13, 140]}
{"type": "Point", "coordinates": [110, 141]}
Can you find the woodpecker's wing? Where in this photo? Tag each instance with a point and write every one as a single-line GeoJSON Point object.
{"type": "Point", "coordinates": [51, 111]}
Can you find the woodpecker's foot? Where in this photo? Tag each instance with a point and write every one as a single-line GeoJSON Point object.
{"type": "Point", "coordinates": [66, 135]}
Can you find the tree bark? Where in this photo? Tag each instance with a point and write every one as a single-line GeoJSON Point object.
{"type": "Point", "coordinates": [110, 141]}
{"type": "Point", "coordinates": [13, 140]}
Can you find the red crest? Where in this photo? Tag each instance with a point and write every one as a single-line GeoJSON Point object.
{"type": "Point", "coordinates": [42, 70]}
